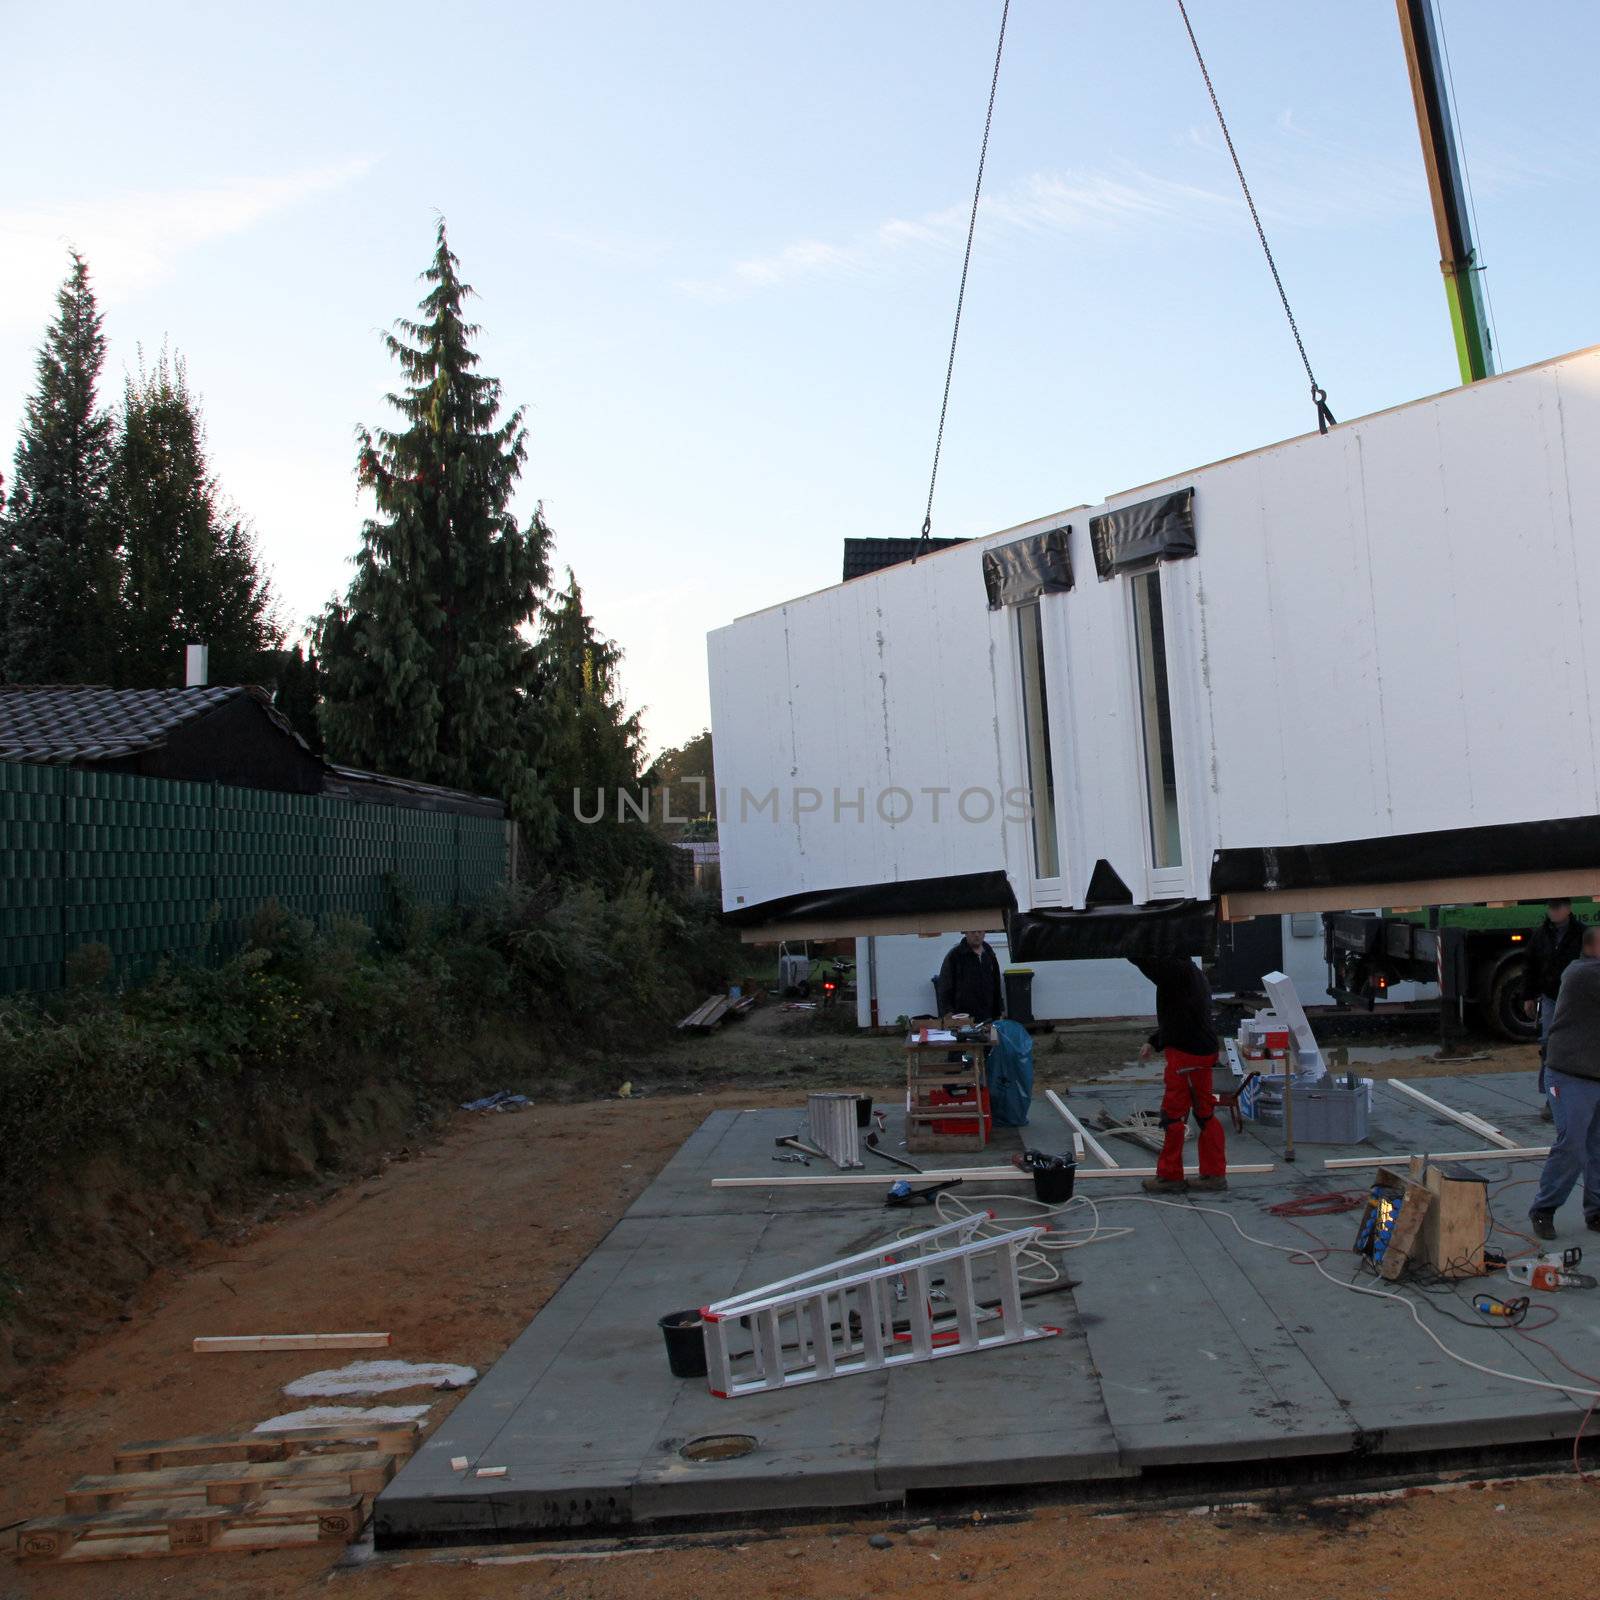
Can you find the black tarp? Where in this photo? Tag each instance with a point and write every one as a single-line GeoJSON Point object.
{"type": "Point", "coordinates": [964, 891]}
{"type": "Point", "coordinates": [1027, 568]}
{"type": "Point", "coordinates": [1139, 933]}
{"type": "Point", "coordinates": [1562, 844]}
{"type": "Point", "coordinates": [1158, 529]}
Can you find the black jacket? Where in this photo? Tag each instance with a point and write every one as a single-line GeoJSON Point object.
{"type": "Point", "coordinates": [969, 981]}
{"type": "Point", "coordinates": [1574, 1043]}
{"type": "Point", "coordinates": [1183, 1007]}
{"type": "Point", "coordinates": [1553, 950]}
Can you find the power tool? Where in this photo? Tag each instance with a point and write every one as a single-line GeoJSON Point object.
{"type": "Point", "coordinates": [1554, 1270]}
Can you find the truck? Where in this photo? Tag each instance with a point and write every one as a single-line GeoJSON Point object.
{"type": "Point", "coordinates": [1477, 954]}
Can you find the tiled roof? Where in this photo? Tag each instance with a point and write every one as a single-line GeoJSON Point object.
{"type": "Point", "coordinates": [862, 556]}
{"type": "Point", "coordinates": [65, 723]}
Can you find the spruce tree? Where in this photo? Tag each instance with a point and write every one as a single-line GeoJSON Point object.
{"type": "Point", "coordinates": [58, 569]}
{"type": "Point", "coordinates": [428, 672]}
{"type": "Point", "coordinates": [191, 571]}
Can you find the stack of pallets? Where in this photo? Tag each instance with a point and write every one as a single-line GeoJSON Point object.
{"type": "Point", "coordinates": [217, 1493]}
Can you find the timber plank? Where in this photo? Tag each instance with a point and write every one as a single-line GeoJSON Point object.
{"type": "Point", "coordinates": [146, 1455]}
{"type": "Point", "coordinates": [364, 1472]}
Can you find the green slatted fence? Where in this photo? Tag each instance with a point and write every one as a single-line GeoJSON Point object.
{"type": "Point", "coordinates": [151, 868]}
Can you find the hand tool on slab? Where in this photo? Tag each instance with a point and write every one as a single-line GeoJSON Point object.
{"type": "Point", "coordinates": [899, 1161]}
{"type": "Point", "coordinates": [902, 1194]}
{"type": "Point", "coordinates": [794, 1142]}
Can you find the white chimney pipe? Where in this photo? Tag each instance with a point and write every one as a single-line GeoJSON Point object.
{"type": "Point", "coordinates": [196, 666]}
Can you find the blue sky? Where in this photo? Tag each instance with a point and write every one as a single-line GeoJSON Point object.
{"type": "Point", "coordinates": [716, 247]}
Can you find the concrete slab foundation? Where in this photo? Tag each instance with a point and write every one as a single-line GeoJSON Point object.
{"type": "Point", "coordinates": [1185, 1345]}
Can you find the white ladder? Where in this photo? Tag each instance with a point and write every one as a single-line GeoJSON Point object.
{"type": "Point", "coordinates": [839, 1319]}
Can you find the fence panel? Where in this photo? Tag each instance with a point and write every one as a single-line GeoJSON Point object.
{"type": "Point", "coordinates": [151, 868]}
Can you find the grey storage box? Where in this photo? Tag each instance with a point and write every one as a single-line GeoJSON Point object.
{"type": "Point", "coordinates": [1326, 1110]}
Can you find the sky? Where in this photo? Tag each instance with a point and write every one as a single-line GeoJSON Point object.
{"type": "Point", "coordinates": [716, 249]}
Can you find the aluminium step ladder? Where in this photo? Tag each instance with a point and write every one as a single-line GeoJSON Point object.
{"type": "Point", "coordinates": [840, 1318]}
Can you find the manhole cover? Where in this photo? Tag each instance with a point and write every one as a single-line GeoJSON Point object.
{"type": "Point", "coordinates": [718, 1447]}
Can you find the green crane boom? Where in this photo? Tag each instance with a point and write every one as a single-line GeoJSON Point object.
{"type": "Point", "coordinates": [1463, 277]}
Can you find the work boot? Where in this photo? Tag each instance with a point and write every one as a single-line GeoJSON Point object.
{"type": "Point", "coordinates": [1545, 1113]}
{"type": "Point", "coordinates": [1594, 1223]}
{"type": "Point", "coordinates": [1166, 1186]}
{"type": "Point", "coordinates": [1210, 1185]}
{"type": "Point", "coordinates": [1544, 1223]}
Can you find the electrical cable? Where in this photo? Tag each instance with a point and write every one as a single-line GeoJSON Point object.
{"type": "Point", "coordinates": [1034, 1263]}
{"type": "Point", "coordinates": [966, 262]}
{"type": "Point", "coordinates": [1591, 1394]}
{"type": "Point", "coordinates": [1319, 395]}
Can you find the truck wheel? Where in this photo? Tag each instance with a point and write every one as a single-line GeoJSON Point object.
{"type": "Point", "coordinates": [1503, 1008]}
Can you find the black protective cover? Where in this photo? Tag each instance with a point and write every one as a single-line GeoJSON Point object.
{"type": "Point", "coordinates": [1139, 933]}
{"type": "Point", "coordinates": [1561, 844]}
{"type": "Point", "coordinates": [966, 891]}
{"type": "Point", "coordinates": [1159, 529]}
{"type": "Point", "coordinates": [1027, 568]}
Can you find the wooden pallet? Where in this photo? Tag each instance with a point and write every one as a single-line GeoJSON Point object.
{"type": "Point", "coordinates": [389, 1438]}
{"type": "Point", "coordinates": [224, 1492]}
{"type": "Point", "coordinates": [232, 1483]}
{"type": "Point", "coordinates": [705, 1016]}
{"type": "Point", "coordinates": [276, 1522]}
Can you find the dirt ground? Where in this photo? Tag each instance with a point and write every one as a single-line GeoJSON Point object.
{"type": "Point", "coordinates": [455, 1249]}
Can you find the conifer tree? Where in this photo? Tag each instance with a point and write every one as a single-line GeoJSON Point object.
{"type": "Point", "coordinates": [190, 567]}
{"type": "Point", "coordinates": [593, 746]}
{"type": "Point", "coordinates": [428, 671]}
{"type": "Point", "coordinates": [58, 570]}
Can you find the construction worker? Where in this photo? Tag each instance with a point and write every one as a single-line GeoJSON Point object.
{"type": "Point", "coordinates": [1187, 1036]}
{"type": "Point", "coordinates": [1554, 947]}
{"type": "Point", "coordinates": [1572, 1073]}
{"type": "Point", "coordinates": [969, 980]}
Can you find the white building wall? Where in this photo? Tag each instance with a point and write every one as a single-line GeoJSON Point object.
{"type": "Point", "coordinates": [906, 965]}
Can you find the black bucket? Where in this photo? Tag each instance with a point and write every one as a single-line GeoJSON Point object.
{"type": "Point", "coordinates": [863, 1110]}
{"type": "Point", "coordinates": [686, 1343]}
{"type": "Point", "coordinates": [1053, 1180]}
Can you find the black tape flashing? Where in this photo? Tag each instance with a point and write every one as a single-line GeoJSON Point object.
{"type": "Point", "coordinates": [1138, 933]}
{"type": "Point", "coordinates": [966, 891]}
{"type": "Point", "coordinates": [1561, 844]}
{"type": "Point", "coordinates": [1027, 568]}
{"type": "Point", "coordinates": [1153, 530]}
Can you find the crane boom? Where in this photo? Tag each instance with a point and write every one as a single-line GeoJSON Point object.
{"type": "Point", "coordinates": [1419, 31]}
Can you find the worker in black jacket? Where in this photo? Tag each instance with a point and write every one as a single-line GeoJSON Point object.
{"type": "Point", "coordinates": [969, 980]}
{"type": "Point", "coordinates": [1556, 944]}
{"type": "Point", "coordinates": [1186, 1035]}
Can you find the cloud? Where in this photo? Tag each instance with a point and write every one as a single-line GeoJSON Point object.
{"type": "Point", "coordinates": [1300, 179]}
{"type": "Point", "coordinates": [134, 239]}
{"type": "Point", "coordinates": [1043, 202]}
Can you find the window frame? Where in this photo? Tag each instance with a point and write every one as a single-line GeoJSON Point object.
{"type": "Point", "coordinates": [1047, 888]}
{"type": "Point", "coordinates": [1162, 882]}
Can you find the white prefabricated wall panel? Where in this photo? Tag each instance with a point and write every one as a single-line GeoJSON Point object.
{"type": "Point", "coordinates": [881, 689]}
{"type": "Point", "coordinates": [1382, 633]}
{"type": "Point", "coordinates": [1392, 617]}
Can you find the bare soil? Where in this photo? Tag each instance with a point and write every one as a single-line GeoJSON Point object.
{"type": "Point", "coordinates": [454, 1246]}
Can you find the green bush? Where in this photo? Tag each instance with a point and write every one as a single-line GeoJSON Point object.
{"type": "Point", "coordinates": [298, 1009]}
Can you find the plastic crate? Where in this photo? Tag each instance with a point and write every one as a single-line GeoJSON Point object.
{"type": "Point", "coordinates": [1331, 1113]}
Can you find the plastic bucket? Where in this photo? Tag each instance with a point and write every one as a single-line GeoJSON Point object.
{"type": "Point", "coordinates": [1053, 1184]}
{"type": "Point", "coordinates": [863, 1110]}
{"type": "Point", "coordinates": [686, 1343]}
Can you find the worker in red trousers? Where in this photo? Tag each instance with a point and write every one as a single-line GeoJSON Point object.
{"type": "Point", "coordinates": [1187, 1035]}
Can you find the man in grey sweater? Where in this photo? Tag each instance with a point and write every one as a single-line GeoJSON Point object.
{"type": "Point", "coordinates": [1572, 1074]}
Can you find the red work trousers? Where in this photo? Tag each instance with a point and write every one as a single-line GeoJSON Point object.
{"type": "Point", "coordinates": [1189, 1088]}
